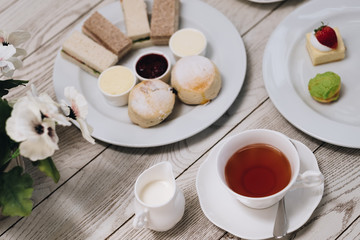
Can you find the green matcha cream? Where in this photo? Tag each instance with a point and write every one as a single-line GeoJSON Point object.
{"type": "Point", "coordinates": [324, 85]}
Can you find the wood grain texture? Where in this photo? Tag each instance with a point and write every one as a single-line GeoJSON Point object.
{"type": "Point", "coordinates": [94, 199]}
{"type": "Point", "coordinates": [353, 232]}
{"type": "Point", "coordinates": [243, 14]}
{"type": "Point", "coordinates": [339, 207]}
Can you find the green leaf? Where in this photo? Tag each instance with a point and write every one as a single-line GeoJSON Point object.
{"type": "Point", "coordinates": [7, 145]}
{"type": "Point", "coordinates": [15, 193]}
{"type": "Point", "coordinates": [6, 85]}
{"type": "Point", "coordinates": [48, 167]}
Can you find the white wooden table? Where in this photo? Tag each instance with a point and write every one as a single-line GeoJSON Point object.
{"type": "Point", "coordinates": [94, 197]}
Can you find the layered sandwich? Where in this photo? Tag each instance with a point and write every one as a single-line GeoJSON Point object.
{"type": "Point", "coordinates": [136, 20]}
{"type": "Point", "coordinates": [164, 20]}
{"type": "Point", "coordinates": [102, 31]}
{"type": "Point", "coordinates": [87, 54]}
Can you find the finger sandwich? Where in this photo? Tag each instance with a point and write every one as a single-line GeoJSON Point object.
{"type": "Point", "coordinates": [136, 19]}
{"type": "Point", "coordinates": [87, 54]}
{"type": "Point", "coordinates": [164, 20]}
{"type": "Point", "coordinates": [102, 31]}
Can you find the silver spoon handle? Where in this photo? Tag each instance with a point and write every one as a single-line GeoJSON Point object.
{"type": "Point", "coordinates": [281, 223]}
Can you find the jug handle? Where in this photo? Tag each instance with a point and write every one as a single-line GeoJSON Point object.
{"type": "Point", "coordinates": [141, 219]}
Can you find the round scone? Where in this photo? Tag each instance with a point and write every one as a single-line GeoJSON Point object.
{"type": "Point", "coordinates": [196, 79]}
{"type": "Point", "coordinates": [150, 102]}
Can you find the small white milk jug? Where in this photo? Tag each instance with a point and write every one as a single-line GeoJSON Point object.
{"type": "Point", "coordinates": [159, 203]}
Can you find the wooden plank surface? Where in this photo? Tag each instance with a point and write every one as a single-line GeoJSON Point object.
{"type": "Point", "coordinates": [94, 198]}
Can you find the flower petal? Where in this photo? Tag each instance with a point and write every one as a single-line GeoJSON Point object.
{"type": "Point", "coordinates": [20, 52]}
{"type": "Point", "coordinates": [47, 106]}
{"type": "Point", "coordinates": [41, 145]}
{"type": "Point", "coordinates": [50, 131]}
{"type": "Point", "coordinates": [86, 130]}
{"type": "Point", "coordinates": [13, 130]}
{"type": "Point", "coordinates": [77, 101]}
{"type": "Point", "coordinates": [3, 64]}
{"type": "Point", "coordinates": [7, 51]}
{"type": "Point", "coordinates": [51, 109]}
{"type": "Point", "coordinates": [24, 117]}
{"type": "Point", "coordinates": [18, 37]}
{"type": "Point", "coordinates": [8, 73]}
{"type": "Point", "coordinates": [17, 62]}
{"type": "Point", "coordinates": [7, 68]}
{"type": "Point", "coordinates": [65, 108]}
{"type": "Point", "coordinates": [38, 148]}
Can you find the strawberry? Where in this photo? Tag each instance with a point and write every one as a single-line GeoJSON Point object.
{"type": "Point", "coordinates": [326, 36]}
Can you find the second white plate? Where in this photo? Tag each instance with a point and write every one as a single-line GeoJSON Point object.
{"type": "Point", "coordinates": [287, 69]}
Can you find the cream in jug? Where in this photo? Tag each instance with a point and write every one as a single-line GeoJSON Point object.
{"type": "Point", "coordinates": [159, 203]}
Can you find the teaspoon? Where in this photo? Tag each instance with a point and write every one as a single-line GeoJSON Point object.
{"type": "Point", "coordinates": [281, 222]}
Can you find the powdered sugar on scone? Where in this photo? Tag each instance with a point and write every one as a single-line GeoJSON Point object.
{"type": "Point", "coordinates": [194, 72]}
{"type": "Point", "coordinates": [150, 102]}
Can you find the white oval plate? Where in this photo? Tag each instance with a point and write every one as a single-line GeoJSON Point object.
{"type": "Point", "coordinates": [226, 212]}
{"type": "Point", "coordinates": [112, 124]}
{"type": "Point", "coordinates": [287, 68]}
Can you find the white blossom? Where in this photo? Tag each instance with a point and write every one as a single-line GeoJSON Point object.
{"type": "Point", "coordinates": [48, 107]}
{"type": "Point", "coordinates": [8, 63]}
{"type": "Point", "coordinates": [15, 39]}
{"type": "Point", "coordinates": [9, 52]}
{"type": "Point", "coordinates": [36, 134]}
{"type": "Point", "coordinates": [77, 110]}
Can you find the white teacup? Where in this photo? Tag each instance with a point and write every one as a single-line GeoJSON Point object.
{"type": "Point", "coordinates": [279, 142]}
{"type": "Point", "coordinates": [159, 203]}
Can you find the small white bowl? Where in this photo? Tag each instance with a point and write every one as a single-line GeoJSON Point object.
{"type": "Point", "coordinates": [146, 63]}
{"type": "Point", "coordinates": [187, 42]}
{"type": "Point", "coordinates": [115, 83]}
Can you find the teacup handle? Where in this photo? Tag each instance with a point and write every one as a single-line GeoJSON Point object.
{"type": "Point", "coordinates": [141, 219]}
{"type": "Point", "coordinates": [309, 178]}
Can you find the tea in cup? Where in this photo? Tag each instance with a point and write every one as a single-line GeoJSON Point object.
{"type": "Point", "coordinates": [159, 203]}
{"type": "Point", "coordinates": [259, 166]}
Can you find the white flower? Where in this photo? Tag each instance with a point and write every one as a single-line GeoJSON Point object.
{"type": "Point", "coordinates": [9, 52]}
{"type": "Point", "coordinates": [8, 63]}
{"type": "Point", "coordinates": [15, 39]}
{"type": "Point", "coordinates": [77, 111]}
{"type": "Point", "coordinates": [37, 136]}
{"type": "Point", "coordinates": [48, 107]}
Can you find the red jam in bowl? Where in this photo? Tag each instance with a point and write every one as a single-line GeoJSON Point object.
{"type": "Point", "coordinates": [151, 66]}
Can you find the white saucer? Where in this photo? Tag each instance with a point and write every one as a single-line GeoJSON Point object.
{"type": "Point", "coordinates": [229, 214]}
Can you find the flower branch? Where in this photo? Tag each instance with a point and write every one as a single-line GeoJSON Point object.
{"type": "Point", "coordinates": [28, 128]}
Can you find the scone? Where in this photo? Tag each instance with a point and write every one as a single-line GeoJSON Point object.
{"type": "Point", "coordinates": [325, 45]}
{"type": "Point", "coordinates": [196, 79]}
{"type": "Point", "coordinates": [325, 87]}
{"type": "Point", "coordinates": [150, 102]}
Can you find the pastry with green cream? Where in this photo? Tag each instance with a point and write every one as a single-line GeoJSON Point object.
{"type": "Point", "coordinates": [325, 87]}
